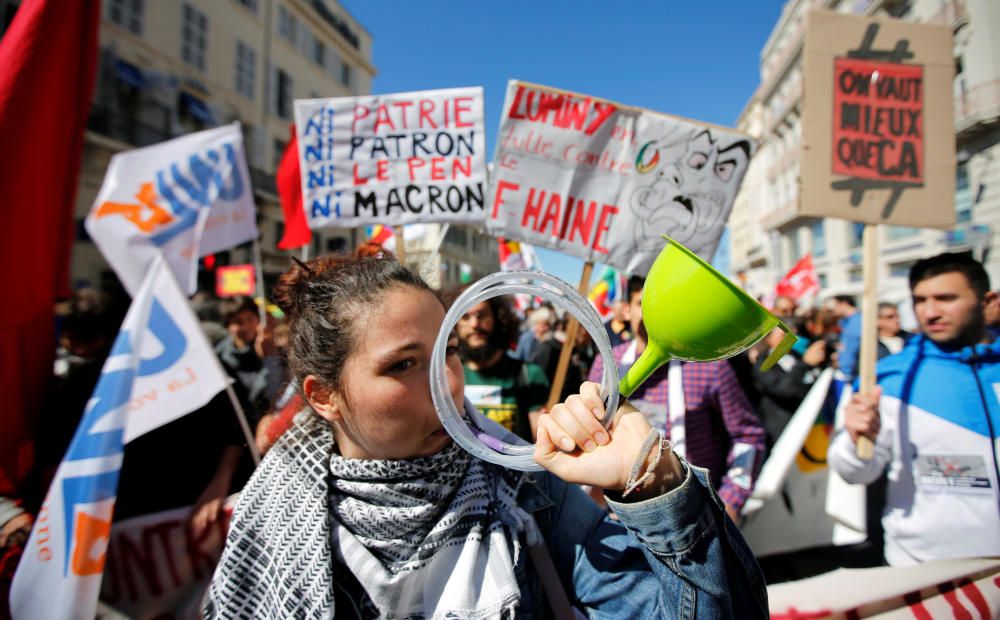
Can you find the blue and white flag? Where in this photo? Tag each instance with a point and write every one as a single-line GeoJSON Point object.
{"type": "Point", "coordinates": [161, 367]}
{"type": "Point", "coordinates": [184, 198]}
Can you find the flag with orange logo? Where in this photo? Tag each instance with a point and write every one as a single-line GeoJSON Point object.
{"type": "Point", "coordinates": [161, 367]}
{"type": "Point", "coordinates": [184, 198]}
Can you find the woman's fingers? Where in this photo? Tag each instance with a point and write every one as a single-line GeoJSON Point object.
{"type": "Point", "coordinates": [543, 441]}
{"type": "Point", "coordinates": [576, 425]}
{"type": "Point", "coordinates": [591, 392]}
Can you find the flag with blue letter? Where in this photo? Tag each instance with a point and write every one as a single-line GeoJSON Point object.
{"type": "Point", "coordinates": [161, 367]}
{"type": "Point", "coordinates": [185, 198]}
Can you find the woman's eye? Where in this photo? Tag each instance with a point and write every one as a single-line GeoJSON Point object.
{"type": "Point", "coordinates": [451, 350]}
{"type": "Point", "coordinates": [402, 365]}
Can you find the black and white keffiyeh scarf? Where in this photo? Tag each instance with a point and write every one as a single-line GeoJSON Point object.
{"type": "Point", "coordinates": [433, 537]}
{"type": "Point", "coordinates": [430, 537]}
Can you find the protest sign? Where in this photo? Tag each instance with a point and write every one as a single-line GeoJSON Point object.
{"type": "Point", "coordinates": [603, 181]}
{"type": "Point", "coordinates": [157, 568]}
{"type": "Point", "coordinates": [160, 368]}
{"type": "Point", "coordinates": [235, 280]}
{"type": "Point", "coordinates": [184, 198]}
{"type": "Point", "coordinates": [878, 126]}
{"type": "Point", "coordinates": [392, 159]}
{"type": "Point", "coordinates": [878, 142]}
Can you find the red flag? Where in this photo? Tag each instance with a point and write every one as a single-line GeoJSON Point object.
{"type": "Point", "coordinates": [801, 280]}
{"type": "Point", "coordinates": [49, 57]}
{"type": "Point", "coordinates": [289, 178]}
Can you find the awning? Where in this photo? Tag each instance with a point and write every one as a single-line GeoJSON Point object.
{"type": "Point", "coordinates": [197, 108]}
{"type": "Point", "coordinates": [130, 74]}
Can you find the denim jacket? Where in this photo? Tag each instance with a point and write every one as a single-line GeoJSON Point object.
{"type": "Point", "coordinates": [673, 556]}
{"type": "Point", "coordinates": [667, 557]}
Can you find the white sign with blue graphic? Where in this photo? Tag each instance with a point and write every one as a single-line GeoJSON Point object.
{"type": "Point", "coordinates": [160, 368]}
{"type": "Point", "coordinates": [184, 198]}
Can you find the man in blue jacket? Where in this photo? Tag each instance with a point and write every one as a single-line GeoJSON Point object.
{"type": "Point", "coordinates": [850, 336]}
{"type": "Point", "coordinates": [934, 418]}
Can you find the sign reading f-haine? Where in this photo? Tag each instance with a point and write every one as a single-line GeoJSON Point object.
{"type": "Point", "coordinates": [603, 181]}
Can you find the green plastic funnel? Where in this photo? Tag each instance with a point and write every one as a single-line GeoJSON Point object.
{"type": "Point", "coordinates": [694, 313]}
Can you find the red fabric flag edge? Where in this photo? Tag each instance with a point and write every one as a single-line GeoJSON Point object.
{"type": "Point", "coordinates": [49, 56]}
{"type": "Point", "coordinates": [289, 180]}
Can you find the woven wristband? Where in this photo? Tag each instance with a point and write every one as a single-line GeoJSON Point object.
{"type": "Point", "coordinates": [634, 479]}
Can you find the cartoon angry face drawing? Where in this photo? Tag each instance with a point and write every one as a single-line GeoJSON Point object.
{"type": "Point", "coordinates": [691, 192]}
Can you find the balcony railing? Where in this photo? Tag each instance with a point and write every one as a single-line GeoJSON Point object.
{"type": "Point", "coordinates": [337, 24]}
{"type": "Point", "coordinates": [263, 181]}
{"type": "Point", "coordinates": [979, 104]}
{"type": "Point", "coordinates": [125, 128]}
{"type": "Point", "coordinates": [952, 13]}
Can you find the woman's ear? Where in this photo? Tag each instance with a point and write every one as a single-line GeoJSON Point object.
{"type": "Point", "coordinates": [321, 399]}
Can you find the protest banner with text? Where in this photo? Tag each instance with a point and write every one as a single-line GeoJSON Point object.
{"type": "Point", "coordinates": [157, 568]}
{"type": "Point", "coordinates": [185, 198]}
{"type": "Point", "coordinates": [393, 159]}
{"type": "Point", "coordinates": [603, 181]}
{"type": "Point", "coordinates": [878, 128]}
{"type": "Point", "coordinates": [878, 139]}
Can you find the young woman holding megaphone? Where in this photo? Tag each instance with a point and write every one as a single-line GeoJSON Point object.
{"type": "Point", "coordinates": [366, 507]}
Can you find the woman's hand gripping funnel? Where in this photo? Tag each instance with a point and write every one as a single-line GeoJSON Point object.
{"type": "Point", "coordinates": [692, 312]}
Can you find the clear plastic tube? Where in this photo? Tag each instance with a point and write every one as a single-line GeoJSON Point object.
{"type": "Point", "coordinates": [487, 447]}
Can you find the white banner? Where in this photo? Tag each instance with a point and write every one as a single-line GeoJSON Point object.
{"type": "Point", "coordinates": [964, 588]}
{"type": "Point", "coordinates": [160, 368]}
{"type": "Point", "coordinates": [602, 181]}
{"type": "Point", "coordinates": [393, 159]}
{"type": "Point", "coordinates": [157, 569]}
{"type": "Point", "coordinates": [184, 198]}
{"type": "Point", "coordinates": [787, 511]}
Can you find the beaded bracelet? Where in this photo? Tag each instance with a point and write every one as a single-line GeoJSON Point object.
{"type": "Point", "coordinates": [634, 480]}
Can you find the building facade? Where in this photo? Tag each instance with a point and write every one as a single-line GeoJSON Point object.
{"type": "Point", "coordinates": [768, 238]}
{"type": "Point", "coordinates": [168, 68]}
{"type": "Point", "coordinates": [449, 255]}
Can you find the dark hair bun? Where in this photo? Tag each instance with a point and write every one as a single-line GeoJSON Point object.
{"type": "Point", "coordinates": [292, 291]}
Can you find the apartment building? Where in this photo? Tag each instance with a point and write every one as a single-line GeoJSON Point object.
{"type": "Point", "coordinates": [171, 67]}
{"type": "Point", "coordinates": [767, 235]}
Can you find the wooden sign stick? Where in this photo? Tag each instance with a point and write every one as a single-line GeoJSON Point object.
{"type": "Point", "coordinates": [567, 349]}
{"type": "Point", "coordinates": [865, 449]}
{"type": "Point", "coordinates": [260, 293]}
{"type": "Point", "coordinates": [400, 244]}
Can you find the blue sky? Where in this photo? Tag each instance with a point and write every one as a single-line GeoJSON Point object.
{"type": "Point", "coordinates": [693, 59]}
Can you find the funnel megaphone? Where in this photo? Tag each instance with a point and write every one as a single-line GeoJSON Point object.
{"type": "Point", "coordinates": [690, 311]}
